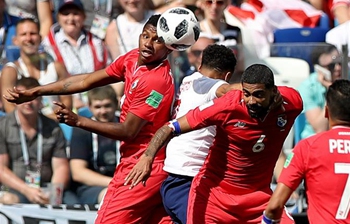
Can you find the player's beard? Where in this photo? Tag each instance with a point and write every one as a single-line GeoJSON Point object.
{"type": "Point", "coordinates": [257, 111]}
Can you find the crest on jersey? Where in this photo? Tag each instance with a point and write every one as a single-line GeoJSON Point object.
{"type": "Point", "coordinates": [134, 84]}
{"type": "Point", "coordinates": [281, 120]}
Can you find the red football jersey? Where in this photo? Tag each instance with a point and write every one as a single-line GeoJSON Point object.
{"type": "Point", "coordinates": [245, 149]}
{"type": "Point", "coordinates": [323, 161]}
{"type": "Point", "coordinates": [148, 94]}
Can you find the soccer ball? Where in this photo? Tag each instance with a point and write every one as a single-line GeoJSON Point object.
{"type": "Point", "coordinates": [179, 28]}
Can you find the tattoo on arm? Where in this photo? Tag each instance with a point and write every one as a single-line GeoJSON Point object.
{"type": "Point", "coordinates": [159, 139]}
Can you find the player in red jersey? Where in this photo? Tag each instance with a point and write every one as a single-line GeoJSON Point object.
{"type": "Point", "coordinates": [323, 161]}
{"type": "Point", "coordinates": [233, 186]}
{"type": "Point", "coordinates": [146, 106]}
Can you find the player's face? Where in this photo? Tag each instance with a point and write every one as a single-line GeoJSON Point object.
{"type": "Point", "coordinates": [103, 110]}
{"type": "Point", "coordinates": [258, 99]}
{"type": "Point", "coordinates": [152, 48]}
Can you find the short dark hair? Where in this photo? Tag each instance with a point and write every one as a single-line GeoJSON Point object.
{"type": "Point", "coordinates": [102, 93]}
{"type": "Point", "coordinates": [259, 74]}
{"type": "Point", "coordinates": [219, 57]}
{"type": "Point", "coordinates": [153, 20]}
{"type": "Point", "coordinates": [28, 19]}
{"type": "Point", "coordinates": [338, 100]}
{"type": "Point", "coordinates": [28, 82]}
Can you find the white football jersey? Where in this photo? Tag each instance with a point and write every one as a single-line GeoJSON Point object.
{"type": "Point", "coordinates": [185, 154]}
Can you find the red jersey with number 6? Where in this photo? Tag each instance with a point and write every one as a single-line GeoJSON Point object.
{"type": "Point", "coordinates": [245, 149]}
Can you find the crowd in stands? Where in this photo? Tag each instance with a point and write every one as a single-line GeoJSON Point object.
{"type": "Point", "coordinates": [49, 40]}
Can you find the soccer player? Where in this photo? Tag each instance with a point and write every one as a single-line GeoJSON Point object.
{"type": "Point", "coordinates": [146, 106]}
{"type": "Point", "coordinates": [233, 185]}
{"type": "Point", "coordinates": [323, 161]}
{"type": "Point", "coordinates": [185, 154]}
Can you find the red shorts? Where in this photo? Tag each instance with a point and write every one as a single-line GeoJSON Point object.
{"type": "Point", "coordinates": [209, 203]}
{"type": "Point", "coordinates": [138, 205]}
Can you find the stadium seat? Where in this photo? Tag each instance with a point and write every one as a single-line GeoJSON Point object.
{"type": "Point", "coordinates": [297, 42]}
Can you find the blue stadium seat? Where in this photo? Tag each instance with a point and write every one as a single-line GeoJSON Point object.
{"type": "Point", "coordinates": [298, 42]}
{"type": "Point", "coordinates": [299, 125]}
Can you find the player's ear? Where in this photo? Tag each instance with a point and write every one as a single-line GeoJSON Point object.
{"type": "Point", "coordinates": [326, 113]}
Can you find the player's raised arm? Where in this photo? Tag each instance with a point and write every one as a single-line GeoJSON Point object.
{"type": "Point", "coordinates": [142, 170]}
{"type": "Point", "coordinates": [69, 85]}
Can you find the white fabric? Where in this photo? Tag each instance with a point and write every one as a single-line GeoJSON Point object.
{"type": "Point", "coordinates": [185, 154]}
{"type": "Point", "coordinates": [77, 59]}
{"type": "Point", "coordinates": [340, 35]}
{"type": "Point", "coordinates": [48, 76]}
{"type": "Point", "coordinates": [129, 32]}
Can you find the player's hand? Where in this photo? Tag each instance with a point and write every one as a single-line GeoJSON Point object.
{"type": "Point", "coordinates": [277, 102]}
{"type": "Point", "coordinates": [19, 96]}
{"type": "Point", "coordinates": [65, 115]}
{"type": "Point", "coordinates": [140, 172]}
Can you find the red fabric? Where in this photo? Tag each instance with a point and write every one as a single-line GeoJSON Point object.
{"type": "Point", "coordinates": [140, 83]}
{"type": "Point", "coordinates": [97, 64]}
{"type": "Point", "coordinates": [298, 15]}
{"type": "Point", "coordinates": [322, 160]}
{"type": "Point", "coordinates": [242, 149]}
{"type": "Point", "coordinates": [142, 204]}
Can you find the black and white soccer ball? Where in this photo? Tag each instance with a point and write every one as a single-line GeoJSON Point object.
{"type": "Point", "coordinates": [179, 28]}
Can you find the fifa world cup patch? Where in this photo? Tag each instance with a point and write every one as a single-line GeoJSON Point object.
{"type": "Point", "coordinates": [288, 160]}
{"type": "Point", "coordinates": [154, 99]}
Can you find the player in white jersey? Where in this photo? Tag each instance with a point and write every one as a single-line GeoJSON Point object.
{"type": "Point", "coordinates": [185, 154]}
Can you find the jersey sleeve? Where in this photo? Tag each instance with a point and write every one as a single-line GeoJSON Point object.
{"type": "Point", "coordinates": [117, 68]}
{"type": "Point", "coordinates": [212, 113]}
{"type": "Point", "coordinates": [295, 165]}
{"type": "Point", "coordinates": [149, 97]}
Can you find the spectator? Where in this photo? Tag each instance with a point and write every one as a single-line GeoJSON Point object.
{"type": "Point", "coordinates": [33, 147]}
{"type": "Point", "coordinates": [69, 43]}
{"type": "Point", "coordinates": [213, 25]}
{"type": "Point", "coordinates": [146, 107]}
{"type": "Point", "coordinates": [98, 14]}
{"type": "Point", "coordinates": [93, 157]}
{"type": "Point", "coordinates": [233, 185]}
{"type": "Point", "coordinates": [327, 69]}
{"type": "Point", "coordinates": [338, 11]}
{"type": "Point", "coordinates": [185, 154]}
{"type": "Point", "coordinates": [339, 36]}
{"type": "Point", "coordinates": [123, 31]}
{"type": "Point", "coordinates": [322, 158]}
{"type": "Point", "coordinates": [32, 63]}
{"type": "Point", "coordinates": [194, 53]}
{"type": "Point", "coordinates": [39, 10]}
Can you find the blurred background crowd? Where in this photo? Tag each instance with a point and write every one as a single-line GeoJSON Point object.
{"type": "Point", "coordinates": [304, 42]}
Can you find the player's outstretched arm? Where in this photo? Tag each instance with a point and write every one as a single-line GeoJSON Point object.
{"type": "Point", "coordinates": [69, 85]}
{"type": "Point", "coordinates": [142, 170]}
{"type": "Point", "coordinates": [274, 209]}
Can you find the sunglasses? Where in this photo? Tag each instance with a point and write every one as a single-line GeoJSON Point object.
{"type": "Point", "coordinates": [331, 66]}
{"type": "Point", "coordinates": [210, 2]}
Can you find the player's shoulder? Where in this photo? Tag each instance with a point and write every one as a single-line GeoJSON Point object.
{"type": "Point", "coordinates": [291, 97]}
